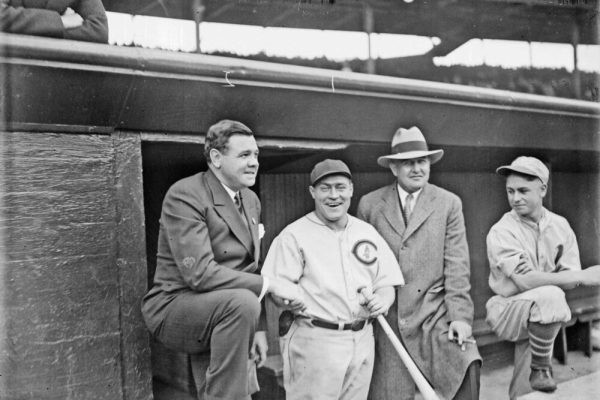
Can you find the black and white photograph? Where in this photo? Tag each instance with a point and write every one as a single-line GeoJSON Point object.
{"type": "Point", "coordinates": [299, 199]}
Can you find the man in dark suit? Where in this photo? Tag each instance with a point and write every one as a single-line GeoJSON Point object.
{"type": "Point", "coordinates": [206, 288]}
{"type": "Point", "coordinates": [424, 226]}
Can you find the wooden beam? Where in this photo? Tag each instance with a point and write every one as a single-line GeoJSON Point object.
{"type": "Point", "coordinates": [131, 265]}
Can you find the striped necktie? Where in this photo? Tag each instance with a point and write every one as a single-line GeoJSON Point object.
{"type": "Point", "coordinates": [408, 206]}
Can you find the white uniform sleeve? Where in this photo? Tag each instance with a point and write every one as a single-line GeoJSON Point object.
{"type": "Point", "coordinates": [569, 259]}
{"type": "Point", "coordinates": [504, 250]}
{"type": "Point", "coordinates": [284, 259]}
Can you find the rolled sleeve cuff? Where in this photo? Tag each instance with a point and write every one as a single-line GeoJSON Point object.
{"type": "Point", "coordinates": [508, 264]}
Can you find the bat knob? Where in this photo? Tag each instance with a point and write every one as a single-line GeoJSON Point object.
{"type": "Point", "coordinates": [364, 290]}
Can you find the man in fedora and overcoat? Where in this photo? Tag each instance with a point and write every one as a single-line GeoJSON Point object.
{"type": "Point", "coordinates": [433, 313]}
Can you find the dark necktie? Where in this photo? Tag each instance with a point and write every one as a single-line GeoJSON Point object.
{"type": "Point", "coordinates": [237, 200]}
{"type": "Point", "coordinates": [238, 203]}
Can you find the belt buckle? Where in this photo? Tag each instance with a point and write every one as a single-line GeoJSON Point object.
{"type": "Point", "coordinates": [357, 325]}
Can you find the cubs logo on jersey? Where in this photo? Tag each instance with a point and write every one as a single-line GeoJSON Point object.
{"type": "Point", "coordinates": [365, 251]}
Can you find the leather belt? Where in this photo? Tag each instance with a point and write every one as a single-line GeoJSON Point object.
{"type": "Point", "coordinates": [354, 326]}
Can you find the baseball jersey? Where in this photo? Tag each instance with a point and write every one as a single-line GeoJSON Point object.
{"type": "Point", "coordinates": [550, 245]}
{"type": "Point", "coordinates": [330, 266]}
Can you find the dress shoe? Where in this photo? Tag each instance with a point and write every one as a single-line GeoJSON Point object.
{"type": "Point", "coordinates": [541, 379]}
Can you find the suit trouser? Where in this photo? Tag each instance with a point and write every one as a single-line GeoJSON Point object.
{"type": "Point", "coordinates": [222, 322]}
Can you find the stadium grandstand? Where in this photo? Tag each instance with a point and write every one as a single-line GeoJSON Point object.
{"type": "Point", "coordinates": [571, 23]}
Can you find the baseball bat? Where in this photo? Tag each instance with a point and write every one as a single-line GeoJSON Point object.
{"type": "Point", "coordinates": [424, 387]}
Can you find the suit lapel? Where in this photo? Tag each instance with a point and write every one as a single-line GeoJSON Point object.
{"type": "Point", "coordinates": [227, 210]}
{"type": "Point", "coordinates": [422, 210]}
{"type": "Point", "coordinates": [391, 209]}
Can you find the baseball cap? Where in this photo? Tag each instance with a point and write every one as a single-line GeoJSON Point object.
{"type": "Point", "coordinates": [329, 167]}
{"type": "Point", "coordinates": [528, 166]}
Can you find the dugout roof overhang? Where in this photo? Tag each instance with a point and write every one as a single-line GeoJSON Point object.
{"type": "Point", "coordinates": [453, 21]}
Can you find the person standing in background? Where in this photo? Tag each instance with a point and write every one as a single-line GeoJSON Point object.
{"type": "Point", "coordinates": [433, 313]}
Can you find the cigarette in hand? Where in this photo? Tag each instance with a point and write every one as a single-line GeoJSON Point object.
{"type": "Point", "coordinates": [472, 341]}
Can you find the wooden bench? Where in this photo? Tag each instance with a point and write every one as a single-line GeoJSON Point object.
{"type": "Point", "coordinates": [585, 309]}
{"type": "Point", "coordinates": [483, 334]}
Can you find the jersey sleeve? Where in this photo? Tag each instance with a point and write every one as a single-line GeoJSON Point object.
{"type": "Point", "coordinates": [389, 273]}
{"type": "Point", "coordinates": [503, 250]}
{"type": "Point", "coordinates": [567, 257]}
{"type": "Point", "coordinates": [284, 259]}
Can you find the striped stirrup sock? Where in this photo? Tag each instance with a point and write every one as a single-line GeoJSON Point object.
{"type": "Point", "coordinates": [541, 340]}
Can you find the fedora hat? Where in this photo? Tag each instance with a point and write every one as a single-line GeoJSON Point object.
{"type": "Point", "coordinates": [408, 144]}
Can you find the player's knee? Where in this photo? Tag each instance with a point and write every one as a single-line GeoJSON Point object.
{"type": "Point", "coordinates": [244, 304]}
{"type": "Point", "coordinates": [551, 292]}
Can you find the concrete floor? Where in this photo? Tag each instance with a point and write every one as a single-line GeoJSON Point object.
{"type": "Point", "coordinates": [574, 380]}
{"type": "Point", "coordinates": [494, 382]}
{"type": "Point", "coordinates": [582, 388]}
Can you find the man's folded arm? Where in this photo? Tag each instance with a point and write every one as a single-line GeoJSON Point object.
{"type": "Point", "coordinates": [30, 21]}
{"type": "Point", "coordinates": [95, 24]}
{"type": "Point", "coordinates": [534, 279]}
{"type": "Point", "coordinates": [504, 250]}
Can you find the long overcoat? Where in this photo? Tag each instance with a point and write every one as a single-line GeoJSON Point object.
{"type": "Point", "coordinates": [433, 255]}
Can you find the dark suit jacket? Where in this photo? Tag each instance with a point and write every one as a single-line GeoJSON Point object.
{"type": "Point", "coordinates": [434, 257]}
{"type": "Point", "coordinates": [203, 244]}
{"type": "Point", "coordinates": [42, 17]}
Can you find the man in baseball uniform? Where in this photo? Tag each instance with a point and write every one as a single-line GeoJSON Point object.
{"type": "Point", "coordinates": [533, 255]}
{"type": "Point", "coordinates": [329, 349]}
